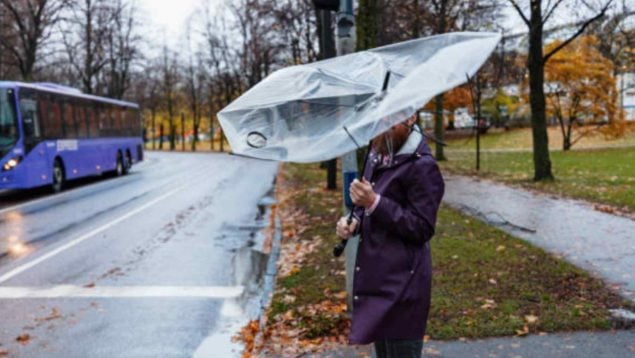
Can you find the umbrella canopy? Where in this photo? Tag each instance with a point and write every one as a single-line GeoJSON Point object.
{"type": "Point", "coordinates": [321, 110]}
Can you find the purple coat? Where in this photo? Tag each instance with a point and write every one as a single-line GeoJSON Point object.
{"type": "Point", "coordinates": [393, 273]}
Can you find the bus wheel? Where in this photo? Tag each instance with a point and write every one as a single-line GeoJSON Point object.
{"type": "Point", "coordinates": [127, 163]}
{"type": "Point", "coordinates": [58, 176]}
{"type": "Point", "coordinates": [119, 169]}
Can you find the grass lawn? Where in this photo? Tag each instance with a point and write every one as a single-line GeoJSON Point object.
{"type": "Point", "coordinates": [605, 176]}
{"type": "Point", "coordinates": [486, 283]}
{"type": "Point", "coordinates": [520, 138]}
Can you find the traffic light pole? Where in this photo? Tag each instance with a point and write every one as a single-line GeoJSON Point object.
{"type": "Point", "coordinates": [346, 44]}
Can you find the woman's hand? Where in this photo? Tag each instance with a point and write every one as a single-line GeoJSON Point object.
{"type": "Point", "coordinates": [344, 230]}
{"type": "Point", "coordinates": [362, 193]}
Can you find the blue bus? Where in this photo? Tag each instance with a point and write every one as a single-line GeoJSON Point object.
{"type": "Point", "coordinates": [50, 134]}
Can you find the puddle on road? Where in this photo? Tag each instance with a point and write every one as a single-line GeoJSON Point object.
{"type": "Point", "coordinates": [253, 267]}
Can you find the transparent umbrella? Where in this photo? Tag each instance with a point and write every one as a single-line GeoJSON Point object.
{"type": "Point", "coordinates": [321, 110]}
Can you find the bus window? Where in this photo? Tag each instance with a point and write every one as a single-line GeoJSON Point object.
{"type": "Point", "coordinates": [93, 121]}
{"type": "Point", "coordinates": [133, 122]}
{"type": "Point", "coordinates": [70, 129]}
{"type": "Point", "coordinates": [116, 121]}
{"type": "Point", "coordinates": [51, 117]}
{"type": "Point", "coordinates": [80, 120]}
{"type": "Point", "coordinates": [29, 113]}
{"type": "Point", "coordinates": [8, 123]}
{"type": "Point", "coordinates": [104, 121]}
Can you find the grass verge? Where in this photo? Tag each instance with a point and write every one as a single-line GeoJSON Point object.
{"type": "Point", "coordinates": [486, 282]}
{"type": "Point", "coordinates": [605, 176]}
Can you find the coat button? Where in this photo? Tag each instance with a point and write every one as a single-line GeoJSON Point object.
{"type": "Point", "coordinates": [357, 268]}
{"type": "Point", "coordinates": [412, 272]}
{"type": "Point", "coordinates": [356, 298]}
{"type": "Point", "coordinates": [373, 183]}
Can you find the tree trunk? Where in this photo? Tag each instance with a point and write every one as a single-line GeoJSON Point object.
{"type": "Point", "coordinates": [161, 136]}
{"type": "Point", "coordinates": [535, 64]}
{"type": "Point", "coordinates": [195, 139]}
{"type": "Point", "coordinates": [439, 126]}
{"type": "Point", "coordinates": [172, 134]}
{"type": "Point", "coordinates": [153, 129]}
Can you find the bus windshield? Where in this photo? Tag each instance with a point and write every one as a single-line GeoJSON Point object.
{"type": "Point", "coordinates": [8, 122]}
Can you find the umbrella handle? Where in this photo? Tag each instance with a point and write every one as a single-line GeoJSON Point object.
{"type": "Point", "coordinates": [339, 248]}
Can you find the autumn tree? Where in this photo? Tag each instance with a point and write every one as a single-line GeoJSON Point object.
{"type": "Point", "coordinates": [536, 60]}
{"type": "Point", "coordinates": [26, 27]}
{"type": "Point", "coordinates": [580, 86]}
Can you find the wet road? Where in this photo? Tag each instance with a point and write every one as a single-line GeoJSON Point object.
{"type": "Point", "coordinates": [164, 262]}
{"type": "Point", "coordinates": [596, 241]}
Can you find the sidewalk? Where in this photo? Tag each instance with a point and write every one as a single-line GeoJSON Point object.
{"type": "Point", "coordinates": [618, 344]}
{"type": "Point", "coordinates": [601, 243]}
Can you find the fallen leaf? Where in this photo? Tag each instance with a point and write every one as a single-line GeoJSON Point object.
{"type": "Point", "coordinates": [431, 351]}
{"type": "Point", "coordinates": [531, 319]}
{"type": "Point", "coordinates": [492, 281]}
{"type": "Point", "coordinates": [500, 248]}
{"type": "Point", "coordinates": [55, 314]}
{"type": "Point", "coordinates": [488, 304]}
{"type": "Point", "coordinates": [23, 339]}
{"type": "Point", "coordinates": [522, 332]}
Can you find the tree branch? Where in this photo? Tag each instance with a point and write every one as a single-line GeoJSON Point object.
{"type": "Point", "coordinates": [520, 12]}
{"type": "Point", "coordinates": [581, 30]}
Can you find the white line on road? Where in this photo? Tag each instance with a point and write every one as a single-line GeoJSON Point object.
{"type": "Point", "coordinates": [70, 291]}
{"type": "Point", "coordinates": [7, 276]}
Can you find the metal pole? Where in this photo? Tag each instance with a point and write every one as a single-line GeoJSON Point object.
{"type": "Point", "coordinates": [346, 44]}
{"type": "Point", "coordinates": [478, 123]}
{"type": "Point", "coordinates": [327, 50]}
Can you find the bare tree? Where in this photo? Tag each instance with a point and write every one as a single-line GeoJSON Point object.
{"type": "Point", "coordinates": [28, 29]}
{"type": "Point", "coordinates": [298, 28]}
{"type": "Point", "coordinates": [84, 34]}
{"type": "Point", "coordinates": [536, 61]}
{"type": "Point", "coordinates": [194, 84]}
{"type": "Point", "coordinates": [441, 16]}
{"type": "Point", "coordinates": [123, 48]}
{"type": "Point", "coordinates": [169, 87]}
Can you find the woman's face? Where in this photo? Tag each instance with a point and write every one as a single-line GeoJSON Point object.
{"type": "Point", "coordinates": [391, 141]}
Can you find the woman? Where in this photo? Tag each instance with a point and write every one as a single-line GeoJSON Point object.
{"type": "Point", "coordinates": [397, 203]}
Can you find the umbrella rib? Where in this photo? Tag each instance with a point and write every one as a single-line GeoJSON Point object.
{"type": "Point", "coordinates": [352, 138]}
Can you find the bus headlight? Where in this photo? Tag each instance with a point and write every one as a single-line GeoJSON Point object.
{"type": "Point", "coordinates": [12, 163]}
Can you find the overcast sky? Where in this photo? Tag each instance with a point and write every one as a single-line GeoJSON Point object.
{"type": "Point", "coordinates": [171, 16]}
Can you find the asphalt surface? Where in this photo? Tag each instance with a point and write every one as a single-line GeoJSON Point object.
{"type": "Point", "coordinates": [615, 344]}
{"type": "Point", "coordinates": [163, 262]}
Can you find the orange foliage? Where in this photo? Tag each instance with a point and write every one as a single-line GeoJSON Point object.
{"type": "Point", "coordinates": [581, 87]}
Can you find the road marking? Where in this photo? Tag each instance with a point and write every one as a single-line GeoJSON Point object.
{"type": "Point", "coordinates": [7, 276]}
{"type": "Point", "coordinates": [70, 291]}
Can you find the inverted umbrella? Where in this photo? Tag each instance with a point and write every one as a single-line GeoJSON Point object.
{"type": "Point", "coordinates": [321, 110]}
